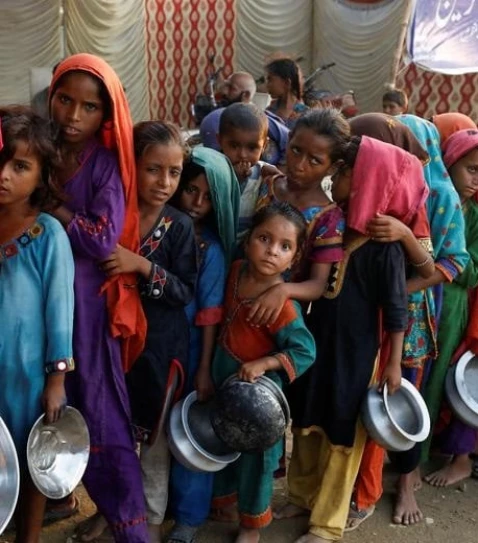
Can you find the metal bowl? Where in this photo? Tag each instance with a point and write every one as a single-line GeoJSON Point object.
{"type": "Point", "coordinates": [458, 406]}
{"type": "Point", "coordinates": [57, 454]}
{"type": "Point", "coordinates": [9, 476]}
{"type": "Point", "coordinates": [192, 440]}
{"type": "Point", "coordinates": [250, 417]}
{"type": "Point", "coordinates": [466, 378]}
{"type": "Point", "coordinates": [396, 422]}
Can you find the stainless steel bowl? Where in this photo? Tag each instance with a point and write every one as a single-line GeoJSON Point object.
{"type": "Point", "coordinates": [458, 406]}
{"type": "Point", "coordinates": [57, 454]}
{"type": "Point", "coordinates": [466, 378]}
{"type": "Point", "coordinates": [396, 422]}
{"type": "Point", "coordinates": [192, 440]}
{"type": "Point", "coordinates": [9, 476]}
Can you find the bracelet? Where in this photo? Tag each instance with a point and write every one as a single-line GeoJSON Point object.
{"type": "Point", "coordinates": [421, 264]}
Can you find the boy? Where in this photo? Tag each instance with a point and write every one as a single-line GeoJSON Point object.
{"type": "Point", "coordinates": [395, 102]}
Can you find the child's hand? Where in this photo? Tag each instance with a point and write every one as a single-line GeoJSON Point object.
{"type": "Point", "coordinates": [386, 229]}
{"type": "Point", "coordinates": [392, 375]}
{"type": "Point", "coordinates": [266, 308]}
{"type": "Point", "coordinates": [121, 260]}
{"type": "Point", "coordinates": [203, 384]}
{"type": "Point", "coordinates": [251, 371]}
{"type": "Point", "coordinates": [54, 398]}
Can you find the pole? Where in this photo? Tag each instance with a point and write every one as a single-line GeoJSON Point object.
{"type": "Point", "coordinates": [407, 13]}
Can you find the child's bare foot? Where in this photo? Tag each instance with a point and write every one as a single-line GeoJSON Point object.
{"type": "Point", "coordinates": [417, 479]}
{"type": "Point", "coordinates": [225, 514]}
{"type": "Point", "coordinates": [311, 538]}
{"type": "Point", "coordinates": [154, 532]}
{"type": "Point", "coordinates": [406, 509]}
{"type": "Point", "coordinates": [247, 535]}
{"type": "Point", "coordinates": [290, 510]}
{"type": "Point", "coordinates": [91, 528]}
{"type": "Point", "coordinates": [458, 469]}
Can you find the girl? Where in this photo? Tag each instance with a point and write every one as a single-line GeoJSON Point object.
{"type": "Point", "coordinates": [209, 194]}
{"type": "Point", "coordinates": [328, 437]}
{"type": "Point", "coordinates": [88, 104]}
{"type": "Point", "coordinates": [449, 123]}
{"type": "Point", "coordinates": [461, 158]}
{"type": "Point", "coordinates": [167, 269]}
{"type": "Point", "coordinates": [315, 147]}
{"type": "Point", "coordinates": [281, 351]}
{"type": "Point", "coordinates": [285, 85]}
{"type": "Point", "coordinates": [36, 292]}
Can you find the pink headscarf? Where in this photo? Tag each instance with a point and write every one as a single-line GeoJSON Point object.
{"type": "Point", "coordinates": [449, 123]}
{"type": "Point", "coordinates": [458, 145]}
{"type": "Point", "coordinates": [385, 180]}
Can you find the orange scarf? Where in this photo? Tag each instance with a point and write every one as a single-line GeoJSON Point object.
{"type": "Point", "coordinates": [449, 123]}
{"type": "Point", "coordinates": [127, 319]}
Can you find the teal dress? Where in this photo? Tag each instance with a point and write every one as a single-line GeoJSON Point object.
{"type": "Point", "coordinates": [36, 308]}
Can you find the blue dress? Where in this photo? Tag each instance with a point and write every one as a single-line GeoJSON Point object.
{"type": "Point", "coordinates": [36, 308]}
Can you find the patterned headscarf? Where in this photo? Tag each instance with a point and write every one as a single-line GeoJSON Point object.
{"type": "Point", "coordinates": [449, 123]}
{"type": "Point", "coordinates": [458, 145]}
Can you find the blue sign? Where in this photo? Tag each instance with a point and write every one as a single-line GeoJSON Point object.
{"type": "Point", "coordinates": [443, 36]}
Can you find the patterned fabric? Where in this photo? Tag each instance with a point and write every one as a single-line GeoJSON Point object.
{"type": "Point", "coordinates": [179, 38]}
{"type": "Point", "coordinates": [298, 110]}
{"type": "Point", "coordinates": [458, 145]}
{"type": "Point", "coordinates": [326, 226]}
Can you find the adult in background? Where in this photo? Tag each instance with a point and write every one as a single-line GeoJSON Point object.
{"type": "Point", "coordinates": [241, 87]}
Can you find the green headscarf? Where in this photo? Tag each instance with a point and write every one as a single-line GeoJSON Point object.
{"type": "Point", "coordinates": [225, 195]}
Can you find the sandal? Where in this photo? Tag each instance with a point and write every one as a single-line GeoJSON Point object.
{"type": "Point", "coordinates": [358, 516]}
{"type": "Point", "coordinates": [182, 534]}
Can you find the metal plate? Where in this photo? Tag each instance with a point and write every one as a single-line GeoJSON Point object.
{"type": "Point", "coordinates": [466, 379]}
{"type": "Point", "coordinates": [57, 454]}
{"type": "Point", "coordinates": [9, 476]}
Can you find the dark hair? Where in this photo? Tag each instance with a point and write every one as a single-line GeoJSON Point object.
{"type": "Point", "coordinates": [244, 117]}
{"type": "Point", "coordinates": [287, 69]}
{"type": "Point", "coordinates": [327, 122]}
{"type": "Point", "coordinates": [288, 212]}
{"type": "Point", "coordinates": [103, 93]}
{"type": "Point", "coordinates": [397, 96]}
{"type": "Point", "coordinates": [149, 133]}
{"type": "Point", "coordinates": [20, 123]}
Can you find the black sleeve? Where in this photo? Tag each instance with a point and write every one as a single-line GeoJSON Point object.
{"type": "Point", "coordinates": [392, 286]}
{"type": "Point", "coordinates": [176, 285]}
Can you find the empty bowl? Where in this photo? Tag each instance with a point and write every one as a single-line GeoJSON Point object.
{"type": "Point", "coordinates": [9, 476]}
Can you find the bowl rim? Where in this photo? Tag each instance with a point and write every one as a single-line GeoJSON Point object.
{"type": "Point", "coordinates": [16, 466]}
{"type": "Point", "coordinates": [457, 405]}
{"type": "Point", "coordinates": [223, 459]}
{"type": "Point", "coordinates": [423, 433]}
{"type": "Point", "coordinates": [460, 381]}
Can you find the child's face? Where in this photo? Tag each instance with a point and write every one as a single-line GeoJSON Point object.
{"type": "Point", "coordinates": [195, 199]}
{"type": "Point", "coordinates": [341, 185]}
{"type": "Point", "coordinates": [272, 246]}
{"type": "Point", "coordinates": [307, 158]}
{"type": "Point", "coordinates": [19, 176]}
{"type": "Point", "coordinates": [392, 108]}
{"type": "Point", "coordinates": [464, 175]}
{"type": "Point", "coordinates": [77, 107]}
{"type": "Point", "coordinates": [276, 86]}
{"type": "Point", "coordinates": [243, 148]}
{"type": "Point", "coordinates": [158, 171]}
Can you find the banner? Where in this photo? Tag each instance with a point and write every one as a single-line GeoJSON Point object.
{"type": "Point", "coordinates": [443, 36]}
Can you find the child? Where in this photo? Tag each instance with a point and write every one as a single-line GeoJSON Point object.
{"type": "Point", "coordinates": [325, 402]}
{"type": "Point", "coordinates": [395, 102]}
{"type": "Point", "coordinates": [36, 296]}
{"type": "Point", "coordinates": [88, 104]}
{"type": "Point", "coordinates": [242, 138]}
{"type": "Point", "coordinates": [208, 192]}
{"type": "Point", "coordinates": [167, 269]}
{"type": "Point", "coordinates": [449, 123]}
{"type": "Point", "coordinates": [461, 159]}
{"type": "Point", "coordinates": [316, 145]}
{"type": "Point", "coordinates": [282, 352]}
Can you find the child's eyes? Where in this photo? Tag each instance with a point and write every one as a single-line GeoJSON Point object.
{"type": "Point", "coordinates": [315, 161]}
{"type": "Point", "coordinates": [286, 247]}
{"type": "Point", "coordinates": [91, 107]}
{"type": "Point", "coordinates": [175, 173]}
{"type": "Point", "coordinates": [190, 190]}
{"type": "Point", "coordinates": [472, 169]}
{"type": "Point", "coordinates": [295, 150]}
{"type": "Point", "coordinates": [263, 238]}
{"type": "Point", "coordinates": [20, 166]}
{"type": "Point", "coordinates": [64, 99]}
{"type": "Point", "coordinates": [152, 170]}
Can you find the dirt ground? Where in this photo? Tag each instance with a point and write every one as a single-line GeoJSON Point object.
{"type": "Point", "coordinates": [451, 516]}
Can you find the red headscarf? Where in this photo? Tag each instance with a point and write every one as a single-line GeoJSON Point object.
{"type": "Point", "coordinates": [449, 123]}
{"type": "Point", "coordinates": [127, 318]}
{"type": "Point", "coordinates": [385, 180]}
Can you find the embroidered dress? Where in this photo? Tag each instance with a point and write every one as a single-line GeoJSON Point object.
{"type": "Point", "coordinates": [36, 332]}
{"type": "Point", "coordinates": [249, 481]}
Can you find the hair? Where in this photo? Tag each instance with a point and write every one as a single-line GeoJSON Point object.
{"type": "Point", "coordinates": [20, 123]}
{"type": "Point", "coordinates": [286, 211]}
{"type": "Point", "coordinates": [103, 93]}
{"type": "Point", "coordinates": [331, 124]}
{"type": "Point", "coordinates": [244, 117]}
{"type": "Point", "coordinates": [148, 133]}
{"type": "Point", "coordinates": [397, 96]}
{"type": "Point", "coordinates": [288, 70]}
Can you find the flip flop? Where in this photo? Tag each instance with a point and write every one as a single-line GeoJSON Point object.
{"type": "Point", "coordinates": [359, 515]}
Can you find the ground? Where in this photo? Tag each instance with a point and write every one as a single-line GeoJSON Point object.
{"type": "Point", "coordinates": [451, 517]}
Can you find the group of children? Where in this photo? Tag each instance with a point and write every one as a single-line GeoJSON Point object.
{"type": "Point", "coordinates": [124, 254]}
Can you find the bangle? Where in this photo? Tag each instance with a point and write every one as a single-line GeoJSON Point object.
{"type": "Point", "coordinates": [421, 264]}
